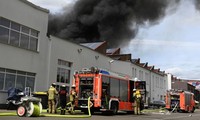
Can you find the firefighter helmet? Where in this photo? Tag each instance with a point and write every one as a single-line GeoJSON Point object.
{"type": "Point", "coordinates": [53, 84]}
{"type": "Point", "coordinates": [73, 86]}
{"type": "Point", "coordinates": [137, 92]}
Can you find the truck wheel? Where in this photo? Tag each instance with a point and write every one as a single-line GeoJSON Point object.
{"type": "Point", "coordinates": [21, 111]}
{"type": "Point", "coordinates": [114, 108]}
{"type": "Point", "coordinates": [192, 111]}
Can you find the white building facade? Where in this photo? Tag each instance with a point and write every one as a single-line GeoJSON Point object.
{"type": "Point", "coordinates": [156, 83]}
{"type": "Point", "coordinates": [23, 46]}
{"type": "Point", "coordinates": [31, 59]}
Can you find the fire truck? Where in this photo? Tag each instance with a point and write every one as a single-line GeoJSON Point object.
{"type": "Point", "coordinates": [182, 101]}
{"type": "Point", "coordinates": [109, 92]}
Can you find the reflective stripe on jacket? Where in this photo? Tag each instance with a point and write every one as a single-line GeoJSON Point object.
{"type": "Point", "coordinates": [51, 93]}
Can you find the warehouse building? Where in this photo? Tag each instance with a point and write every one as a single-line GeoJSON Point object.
{"type": "Point", "coordinates": [30, 58]}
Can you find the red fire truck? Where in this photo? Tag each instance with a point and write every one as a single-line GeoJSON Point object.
{"type": "Point", "coordinates": [182, 101]}
{"type": "Point", "coordinates": [109, 91]}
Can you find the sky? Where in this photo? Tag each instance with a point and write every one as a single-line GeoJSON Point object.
{"type": "Point", "coordinates": [171, 45]}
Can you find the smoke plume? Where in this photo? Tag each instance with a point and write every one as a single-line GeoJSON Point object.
{"type": "Point", "coordinates": [197, 4]}
{"type": "Point", "coordinates": [114, 21]}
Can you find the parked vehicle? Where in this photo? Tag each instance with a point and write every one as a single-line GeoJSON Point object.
{"type": "Point", "coordinates": [183, 101]}
{"type": "Point", "coordinates": [158, 104]}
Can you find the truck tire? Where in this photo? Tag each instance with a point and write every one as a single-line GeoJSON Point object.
{"type": "Point", "coordinates": [193, 109]}
{"type": "Point", "coordinates": [114, 107]}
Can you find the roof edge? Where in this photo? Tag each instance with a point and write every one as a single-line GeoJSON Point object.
{"type": "Point", "coordinates": [35, 6]}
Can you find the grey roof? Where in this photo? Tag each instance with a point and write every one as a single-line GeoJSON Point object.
{"type": "Point", "coordinates": [92, 45]}
{"type": "Point", "coordinates": [111, 50]}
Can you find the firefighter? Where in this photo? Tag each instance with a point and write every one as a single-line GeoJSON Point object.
{"type": "Point", "coordinates": [52, 92]}
{"type": "Point", "coordinates": [105, 96]}
{"type": "Point", "coordinates": [63, 99]}
{"type": "Point", "coordinates": [137, 101]}
{"type": "Point", "coordinates": [72, 96]}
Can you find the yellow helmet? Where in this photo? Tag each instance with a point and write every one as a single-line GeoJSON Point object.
{"type": "Point", "coordinates": [137, 92]}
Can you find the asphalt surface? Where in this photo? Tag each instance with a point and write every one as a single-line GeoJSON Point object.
{"type": "Point", "coordinates": [150, 115]}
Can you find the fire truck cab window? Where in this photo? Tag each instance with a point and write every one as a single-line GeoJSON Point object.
{"type": "Point", "coordinates": [105, 86]}
{"type": "Point", "coordinates": [114, 87]}
{"type": "Point", "coordinates": [124, 90]}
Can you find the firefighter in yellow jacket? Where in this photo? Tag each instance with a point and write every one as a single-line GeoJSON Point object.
{"type": "Point", "coordinates": [137, 101]}
{"type": "Point", "coordinates": [52, 92]}
{"type": "Point", "coordinates": [73, 95]}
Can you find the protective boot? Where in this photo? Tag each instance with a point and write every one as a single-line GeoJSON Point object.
{"type": "Point", "coordinates": [64, 112]}
{"type": "Point", "coordinates": [61, 112]}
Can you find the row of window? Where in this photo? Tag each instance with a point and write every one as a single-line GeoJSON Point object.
{"type": "Point", "coordinates": [159, 83]}
{"type": "Point", "coordinates": [18, 79]}
{"type": "Point", "coordinates": [18, 35]}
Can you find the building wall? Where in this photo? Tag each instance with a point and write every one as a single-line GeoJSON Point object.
{"type": "Point", "coordinates": [21, 59]}
{"type": "Point", "coordinates": [155, 83]}
{"type": "Point", "coordinates": [79, 57]}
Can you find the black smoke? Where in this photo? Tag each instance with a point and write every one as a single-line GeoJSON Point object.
{"type": "Point", "coordinates": [114, 21]}
{"type": "Point", "coordinates": [197, 4]}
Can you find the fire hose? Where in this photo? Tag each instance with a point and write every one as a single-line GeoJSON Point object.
{"type": "Point", "coordinates": [174, 107]}
{"type": "Point", "coordinates": [169, 113]}
{"type": "Point", "coordinates": [53, 115]}
{"type": "Point", "coordinates": [72, 116]}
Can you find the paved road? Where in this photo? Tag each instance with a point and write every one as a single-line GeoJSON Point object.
{"type": "Point", "coordinates": [147, 116]}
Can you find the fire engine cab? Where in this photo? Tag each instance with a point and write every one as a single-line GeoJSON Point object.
{"type": "Point", "coordinates": [182, 101]}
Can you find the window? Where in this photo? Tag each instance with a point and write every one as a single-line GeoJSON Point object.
{"type": "Point", "coordinates": [15, 26]}
{"type": "Point", "coordinates": [133, 72]}
{"type": "Point", "coordinates": [14, 78]}
{"type": "Point", "coordinates": [63, 71]}
{"type": "Point", "coordinates": [124, 90]}
{"type": "Point", "coordinates": [161, 83]}
{"type": "Point", "coordinates": [105, 80]}
{"type": "Point", "coordinates": [24, 41]}
{"type": "Point", "coordinates": [4, 35]}
{"type": "Point", "coordinates": [140, 75]}
{"type": "Point", "coordinates": [10, 81]}
{"type": "Point", "coordinates": [114, 87]}
{"type": "Point", "coordinates": [152, 81]}
{"type": "Point", "coordinates": [18, 35]}
{"type": "Point", "coordinates": [14, 38]}
{"type": "Point", "coordinates": [33, 44]}
{"type": "Point", "coordinates": [30, 82]}
{"type": "Point", "coordinates": [25, 30]}
{"type": "Point", "coordinates": [34, 33]}
{"type": "Point", "coordinates": [64, 63]}
{"type": "Point", "coordinates": [20, 82]}
{"type": "Point", "coordinates": [147, 78]}
{"type": "Point", "coordinates": [4, 22]}
{"type": "Point", "coordinates": [1, 80]}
